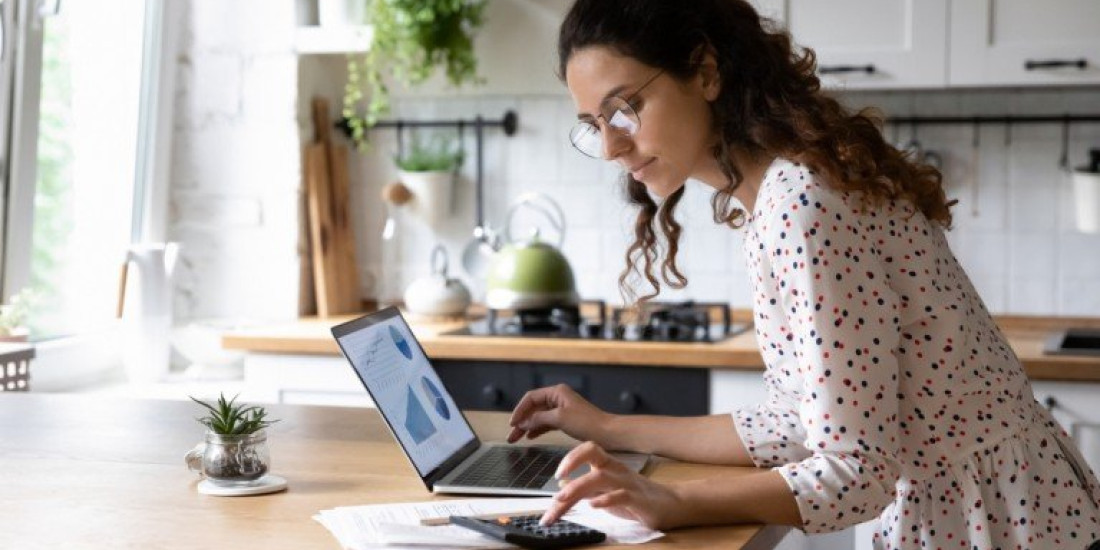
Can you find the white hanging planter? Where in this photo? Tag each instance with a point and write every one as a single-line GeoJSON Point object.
{"type": "Point", "coordinates": [1086, 200]}
{"type": "Point", "coordinates": [433, 194]}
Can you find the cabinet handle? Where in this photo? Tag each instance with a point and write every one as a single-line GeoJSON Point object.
{"type": "Point", "coordinates": [840, 69]}
{"type": "Point", "coordinates": [491, 395]}
{"type": "Point", "coordinates": [1032, 64]}
{"type": "Point", "coordinates": [629, 401]}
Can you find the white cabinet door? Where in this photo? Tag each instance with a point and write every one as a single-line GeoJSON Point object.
{"type": "Point", "coordinates": [1023, 42]}
{"type": "Point", "coordinates": [1075, 408]}
{"type": "Point", "coordinates": [870, 44]}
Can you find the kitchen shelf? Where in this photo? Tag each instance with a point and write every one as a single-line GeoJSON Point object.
{"type": "Point", "coordinates": [318, 40]}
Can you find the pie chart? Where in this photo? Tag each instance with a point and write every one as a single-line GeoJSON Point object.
{"type": "Point", "coordinates": [435, 397]}
{"type": "Point", "coordinates": [401, 343]}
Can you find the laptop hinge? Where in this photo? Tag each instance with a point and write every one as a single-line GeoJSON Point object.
{"type": "Point", "coordinates": [443, 469]}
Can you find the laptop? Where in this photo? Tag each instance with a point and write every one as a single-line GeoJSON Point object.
{"type": "Point", "coordinates": [429, 427]}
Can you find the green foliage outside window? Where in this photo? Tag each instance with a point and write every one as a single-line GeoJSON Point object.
{"type": "Point", "coordinates": [53, 203]}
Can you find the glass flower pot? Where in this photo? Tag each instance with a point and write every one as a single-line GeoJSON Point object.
{"type": "Point", "coordinates": [231, 460]}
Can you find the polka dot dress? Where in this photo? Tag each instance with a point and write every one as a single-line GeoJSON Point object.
{"type": "Point", "coordinates": [891, 392]}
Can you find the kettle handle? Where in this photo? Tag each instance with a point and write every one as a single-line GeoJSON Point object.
{"type": "Point", "coordinates": [440, 262]}
{"type": "Point", "coordinates": [122, 276]}
{"type": "Point", "coordinates": [532, 199]}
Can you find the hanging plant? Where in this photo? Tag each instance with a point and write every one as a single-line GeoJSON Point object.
{"type": "Point", "coordinates": [411, 39]}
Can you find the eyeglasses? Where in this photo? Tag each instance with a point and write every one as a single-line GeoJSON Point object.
{"type": "Point", "coordinates": [620, 117]}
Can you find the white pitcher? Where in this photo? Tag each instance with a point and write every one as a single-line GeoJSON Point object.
{"type": "Point", "coordinates": [145, 305]}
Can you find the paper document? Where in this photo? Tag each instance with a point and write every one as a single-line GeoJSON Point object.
{"type": "Point", "coordinates": [398, 525]}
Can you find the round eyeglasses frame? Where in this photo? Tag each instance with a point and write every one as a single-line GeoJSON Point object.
{"type": "Point", "coordinates": [619, 115]}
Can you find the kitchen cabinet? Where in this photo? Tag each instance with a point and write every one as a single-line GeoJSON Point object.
{"type": "Point", "coordinates": [1022, 43]}
{"type": "Point", "coordinates": [870, 44]}
{"type": "Point", "coordinates": [499, 385]}
{"type": "Point", "coordinates": [1074, 406]}
{"type": "Point", "coordinates": [921, 44]}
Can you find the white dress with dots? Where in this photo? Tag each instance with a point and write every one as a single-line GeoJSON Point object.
{"type": "Point", "coordinates": [891, 392]}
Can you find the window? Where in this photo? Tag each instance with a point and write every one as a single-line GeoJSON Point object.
{"type": "Point", "coordinates": [81, 201]}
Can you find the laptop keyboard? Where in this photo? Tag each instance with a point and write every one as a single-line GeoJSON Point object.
{"type": "Point", "coordinates": [512, 467]}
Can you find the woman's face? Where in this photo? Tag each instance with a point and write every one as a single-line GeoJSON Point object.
{"type": "Point", "coordinates": [673, 141]}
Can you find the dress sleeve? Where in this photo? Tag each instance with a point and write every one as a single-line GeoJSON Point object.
{"type": "Point", "coordinates": [772, 434]}
{"type": "Point", "coordinates": [842, 321]}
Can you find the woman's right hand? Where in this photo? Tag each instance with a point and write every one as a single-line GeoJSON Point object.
{"type": "Point", "coordinates": [556, 408]}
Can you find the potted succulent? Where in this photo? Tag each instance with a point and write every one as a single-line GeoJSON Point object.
{"type": "Point", "coordinates": [235, 448]}
{"type": "Point", "coordinates": [429, 170]}
{"type": "Point", "coordinates": [13, 316]}
{"type": "Point", "coordinates": [410, 39]}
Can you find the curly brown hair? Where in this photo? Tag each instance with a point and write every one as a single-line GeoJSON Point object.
{"type": "Point", "coordinates": [770, 104]}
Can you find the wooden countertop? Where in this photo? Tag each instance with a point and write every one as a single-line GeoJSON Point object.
{"type": "Point", "coordinates": [1026, 334]}
{"type": "Point", "coordinates": [87, 472]}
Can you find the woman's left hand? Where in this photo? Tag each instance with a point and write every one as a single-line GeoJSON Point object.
{"type": "Point", "coordinates": [611, 486]}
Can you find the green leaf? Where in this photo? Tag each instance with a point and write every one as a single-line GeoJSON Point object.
{"type": "Point", "coordinates": [227, 417]}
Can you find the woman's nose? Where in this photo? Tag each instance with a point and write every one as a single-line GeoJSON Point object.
{"type": "Point", "coordinates": [615, 143]}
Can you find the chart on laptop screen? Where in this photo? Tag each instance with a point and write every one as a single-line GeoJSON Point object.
{"type": "Point", "coordinates": [407, 391]}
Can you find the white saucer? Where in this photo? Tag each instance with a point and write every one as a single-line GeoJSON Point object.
{"type": "Point", "coordinates": [267, 484]}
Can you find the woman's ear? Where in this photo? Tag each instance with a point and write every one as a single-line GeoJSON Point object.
{"type": "Point", "coordinates": [710, 80]}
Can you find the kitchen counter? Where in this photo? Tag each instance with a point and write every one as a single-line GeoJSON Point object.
{"type": "Point", "coordinates": [82, 471]}
{"type": "Point", "coordinates": [1026, 334]}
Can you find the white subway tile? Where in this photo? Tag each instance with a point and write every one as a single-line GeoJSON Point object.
{"type": "Point", "coordinates": [1031, 296]}
{"type": "Point", "coordinates": [1079, 256]}
{"type": "Point", "coordinates": [1032, 255]}
{"type": "Point", "coordinates": [1080, 297]}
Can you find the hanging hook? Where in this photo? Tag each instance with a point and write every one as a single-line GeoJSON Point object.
{"type": "Point", "coordinates": [400, 139]}
{"type": "Point", "coordinates": [1063, 161]}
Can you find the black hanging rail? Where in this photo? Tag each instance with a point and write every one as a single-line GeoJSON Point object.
{"type": "Point", "coordinates": [509, 122]}
{"type": "Point", "coordinates": [1003, 119]}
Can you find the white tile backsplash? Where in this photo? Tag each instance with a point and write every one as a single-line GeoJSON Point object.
{"type": "Point", "coordinates": [1013, 224]}
{"type": "Point", "coordinates": [241, 116]}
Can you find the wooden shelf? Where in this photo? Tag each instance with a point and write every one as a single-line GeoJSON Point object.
{"type": "Point", "coordinates": [317, 40]}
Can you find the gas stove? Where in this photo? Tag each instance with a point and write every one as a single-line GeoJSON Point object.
{"type": "Point", "coordinates": [687, 321]}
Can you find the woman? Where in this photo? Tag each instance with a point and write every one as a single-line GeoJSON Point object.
{"type": "Point", "coordinates": [891, 392]}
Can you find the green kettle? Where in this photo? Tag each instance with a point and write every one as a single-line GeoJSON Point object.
{"type": "Point", "coordinates": [533, 273]}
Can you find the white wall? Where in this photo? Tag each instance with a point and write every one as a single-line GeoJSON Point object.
{"type": "Point", "coordinates": [237, 172]}
{"type": "Point", "coordinates": [236, 168]}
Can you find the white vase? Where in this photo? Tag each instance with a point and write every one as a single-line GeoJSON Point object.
{"type": "Point", "coordinates": [433, 194]}
{"type": "Point", "coordinates": [341, 13]}
{"type": "Point", "coordinates": [147, 311]}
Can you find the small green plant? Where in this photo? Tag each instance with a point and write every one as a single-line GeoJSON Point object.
{"type": "Point", "coordinates": [13, 315]}
{"type": "Point", "coordinates": [229, 418]}
{"type": "Point", "coordinates": [438, 155]}
{"type": "Point", "coordinates": [410, 40]}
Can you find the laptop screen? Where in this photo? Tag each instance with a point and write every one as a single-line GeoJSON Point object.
{"type": "Point", "coordinates": [405, 388]}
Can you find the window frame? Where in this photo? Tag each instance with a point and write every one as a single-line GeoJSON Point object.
{"type": "Point", "coordinates": [87, 358]}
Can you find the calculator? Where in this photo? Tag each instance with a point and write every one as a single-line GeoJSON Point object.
{"type": "Point", "coordinates": [525, 531]}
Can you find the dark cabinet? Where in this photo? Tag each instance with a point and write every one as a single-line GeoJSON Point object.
{"type": "Point", "coordinates": [623, 389]}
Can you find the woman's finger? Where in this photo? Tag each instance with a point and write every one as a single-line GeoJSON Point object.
{"type": "Point", "coordinates": [531, 401]}
{"type": "Point", "coordinates": [618, 497]}
{"type": "Point", "coordinates": [585, 453]}
{"type": "Point", "coordinates": [593, 483]}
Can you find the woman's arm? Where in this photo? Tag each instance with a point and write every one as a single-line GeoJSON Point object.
{"type": "Point", "coordinates": [707, 439]}
{"type": "Point", "coordinates": [761, 497]}
{"type": "Point", "coordinates": [704, 439]}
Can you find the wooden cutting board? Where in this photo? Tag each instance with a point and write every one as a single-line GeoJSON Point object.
{"type": "Point", "coordinates": [332, 243]}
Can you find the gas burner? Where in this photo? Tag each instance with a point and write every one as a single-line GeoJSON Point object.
{"type": "Point", "coordinates": [687, 321]}
{"type": "Point", "coordinates": [655, 321]}
{"type": "Point", "coordinates": [563, 321]}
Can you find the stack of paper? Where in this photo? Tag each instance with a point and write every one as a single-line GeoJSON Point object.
{"type": "Point", "coordinates": [398, 525]}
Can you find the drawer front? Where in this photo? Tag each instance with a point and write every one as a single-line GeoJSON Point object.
{"type": "Point", "coordinates": [479, 385]}
{"type": "Point", "coordinates": [486, 385]}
